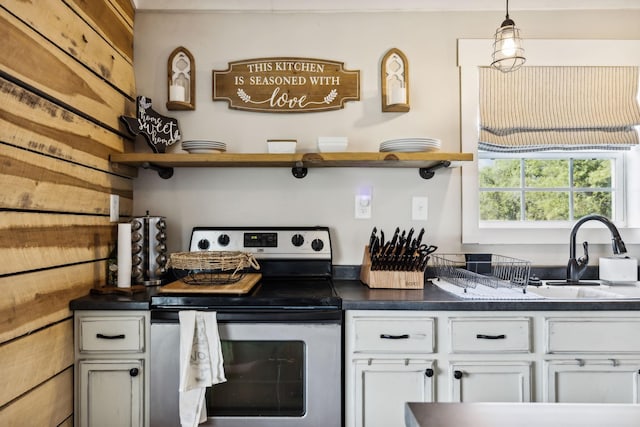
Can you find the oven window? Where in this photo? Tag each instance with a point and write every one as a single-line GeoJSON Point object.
{"type": "Point", "coordinates": [264, 379]}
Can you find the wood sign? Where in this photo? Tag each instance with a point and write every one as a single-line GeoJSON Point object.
{"type": "Point", "coordinates": [159, 131]}
{"type": "Point", "coordinates": [286, 85]}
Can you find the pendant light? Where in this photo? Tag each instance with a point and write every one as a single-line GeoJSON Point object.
{"type": "Point", "coordinates": [508, 54]}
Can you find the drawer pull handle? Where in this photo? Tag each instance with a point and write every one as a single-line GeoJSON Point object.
{"type": "Point", "coordinates": [394, 337]}
{"type": "Point", "coordinates": [110, 337]}
{"type": "Point", "coordinates": [429, 372]}
{"type": "Point", "coordinates": [490, 337]}
{"type": "Point", "coordinates": [457, 374]}
{"type": "Point", "coordinates": [134, 372]}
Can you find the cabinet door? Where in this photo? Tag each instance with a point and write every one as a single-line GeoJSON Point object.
{"type": "Point", "coordinates": [382, 387]}
{"type": "Point", "coordinates": [110, 393]}
{"type": "Point", "coordinates": [592, 381]}
{"type": "Point", "coordinates": [490, 381]}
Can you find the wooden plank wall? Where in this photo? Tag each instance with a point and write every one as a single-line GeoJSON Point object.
{"type": "Point", "coordinates": [66, 75]}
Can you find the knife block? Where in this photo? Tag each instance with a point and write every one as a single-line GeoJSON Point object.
{"type": "Point", "coordinates": [384, 279]}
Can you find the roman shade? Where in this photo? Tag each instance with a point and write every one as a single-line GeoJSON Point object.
{"type": "Point", "coordinates": [559, 108]}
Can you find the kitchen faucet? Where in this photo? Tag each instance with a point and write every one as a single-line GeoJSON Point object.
{"type": "Point", "coordinates": [577, 267]}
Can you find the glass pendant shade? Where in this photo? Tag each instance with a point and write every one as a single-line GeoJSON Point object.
{"type": "Point", "coordinates": [508, 54]}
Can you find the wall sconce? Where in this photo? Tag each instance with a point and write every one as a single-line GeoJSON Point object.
{"type": "Point", "coordinates": [181, 82]}
{"type": "Point", "coordinates": [508, 54]}
{"type": "Point", "coordinates": [394, 72]}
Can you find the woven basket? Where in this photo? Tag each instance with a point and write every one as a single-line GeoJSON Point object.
{"type": "Point", "coordinates": [212, 267]}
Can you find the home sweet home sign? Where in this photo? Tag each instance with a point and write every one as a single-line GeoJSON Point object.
{"type": "Point", "coordinates": [286, 85]}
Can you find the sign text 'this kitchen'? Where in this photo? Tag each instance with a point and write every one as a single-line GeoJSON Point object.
{"type": "Point", "coordinates": [283, 85]}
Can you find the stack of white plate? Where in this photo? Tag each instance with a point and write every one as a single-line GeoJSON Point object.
{"type": "Point", "coordinates": [198, 147]}
{"type": "Point", "coordinates": [410, 145]}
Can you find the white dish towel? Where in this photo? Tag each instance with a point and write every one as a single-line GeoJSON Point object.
{"type": "Point", "coordinates": [200, 363]}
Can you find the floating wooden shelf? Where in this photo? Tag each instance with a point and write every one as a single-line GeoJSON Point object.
{"type": "Point", "coordinates": [164, 163]}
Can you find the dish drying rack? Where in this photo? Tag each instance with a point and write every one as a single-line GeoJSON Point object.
{"type": "Point", "coordinates": [211, 267]}
{"type": "Point", "coordinates": [470, 270]}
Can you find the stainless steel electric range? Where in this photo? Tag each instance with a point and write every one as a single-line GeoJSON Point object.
{"type": "Point", "coordinates": [282, 342]}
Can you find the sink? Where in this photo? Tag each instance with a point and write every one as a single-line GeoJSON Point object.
{"type": "Point", "coordinates": [592, 291]}
{"type": "Point", "coordinates": [573, 292]}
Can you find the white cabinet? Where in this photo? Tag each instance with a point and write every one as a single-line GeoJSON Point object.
{"type": "Point", "coordinates": [488, 372]}
{"type": "Point", "coordinates": [398, 334]}
{"type": "Point", "coordinates": [389, 361]}
{"type": "Point", "coordinates": [489, 335]}
{"type": "Point", "coordinates": [482, 356]}
{"type": "Point", "coordinates": [592, 359]}
{"type": "Point", "coordinates": [592, 381]}
{"type": "Point", "coordinates": [383, 386]}
{"type": "Point", "coordinates": [111, 358]}
{"type": "Point", "coordinates": [591, 334]}
{"type": "Point", "coordinates": [490, 381]}
{"type": "Point", "coordinates": [111, 393]}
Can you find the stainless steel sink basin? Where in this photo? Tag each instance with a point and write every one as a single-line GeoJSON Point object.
{"type": "Point", "coordinates": [598, 291]}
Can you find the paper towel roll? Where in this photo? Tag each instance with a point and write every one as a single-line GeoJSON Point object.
{"type": "Point", "coordinates": [124, 255]}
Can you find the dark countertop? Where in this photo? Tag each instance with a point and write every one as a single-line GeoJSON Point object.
{"type": "Point", "coordinates": [137, 301]}
{"type": "Point", "coordinates": [521, 414]}
{"type": "Point", "coordinates": [358, 296]}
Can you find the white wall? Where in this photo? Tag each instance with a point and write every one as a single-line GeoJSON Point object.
{"type": "Point", "coordinates": [272, 196]}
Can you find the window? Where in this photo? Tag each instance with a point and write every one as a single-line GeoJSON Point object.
{"type": "Point", "coordinates": [549, 186]}
{"type": "Point", "coordinates": [520, 198]}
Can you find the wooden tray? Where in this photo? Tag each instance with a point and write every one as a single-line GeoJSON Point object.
{"type": "Point", "coordinates": [243, 286]}
{"type": "Point", "coordinates": [106, 290]}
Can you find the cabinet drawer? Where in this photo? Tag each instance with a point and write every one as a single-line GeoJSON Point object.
{"type": "Point", "coordinates": [392, 335]}
{"type": "Point", "coordinates": [104, 334]}
{"type": "Point", "coordinates": [490, 335]}
{"type": "Point", "coordinates": [592, 335]}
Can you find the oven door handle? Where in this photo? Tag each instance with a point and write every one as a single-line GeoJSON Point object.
{"type": "Point", "coordinates": [329, 315]}
{"type": "Point", "coordinates": [394, 337]}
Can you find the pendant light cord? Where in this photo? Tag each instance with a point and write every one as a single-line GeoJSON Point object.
{"type": "Point", "coordinates": [507, 16]}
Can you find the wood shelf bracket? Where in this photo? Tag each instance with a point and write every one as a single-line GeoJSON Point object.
{"type": "Point", "coordinates": [299, 171]}
{"type": "Point", "coordinates": [163, 172]}
{"type": "Point", "coordinates": [429, 172]}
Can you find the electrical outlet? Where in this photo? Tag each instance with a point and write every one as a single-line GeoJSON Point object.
{"type": "Point", "coordinates": [114, 208]}
{"type": "Point", "coordinates": [420, 208]}
{"type": "Point", "coordinates": [363, 206]}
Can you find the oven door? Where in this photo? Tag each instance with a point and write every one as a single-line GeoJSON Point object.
{"type": "Point", "coordinates": [278, 374]}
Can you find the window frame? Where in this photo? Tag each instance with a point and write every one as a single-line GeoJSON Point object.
{"type": "Point", "coordinates": [475, 53]}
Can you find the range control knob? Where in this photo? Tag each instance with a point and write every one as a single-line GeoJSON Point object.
{"type": "Point", "coordinates": [297, 240]}
{"type": "Point", "coordinates": [317, 245]}
{"type": "Point", "coordinates": [223, 239]}
{"type": "Point", "coordinates": [203, 244]}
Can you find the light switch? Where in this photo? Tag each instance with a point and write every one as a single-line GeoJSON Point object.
{"type": "Point", "coordinates": [420, 208]}
{"type": "Point", "coordinates": [363, 206]}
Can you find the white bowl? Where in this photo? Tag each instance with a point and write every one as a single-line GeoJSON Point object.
{"type": "Point", "coordinates": [281, 145]}
{"type": "Point", "coordinates": [332, 144]}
